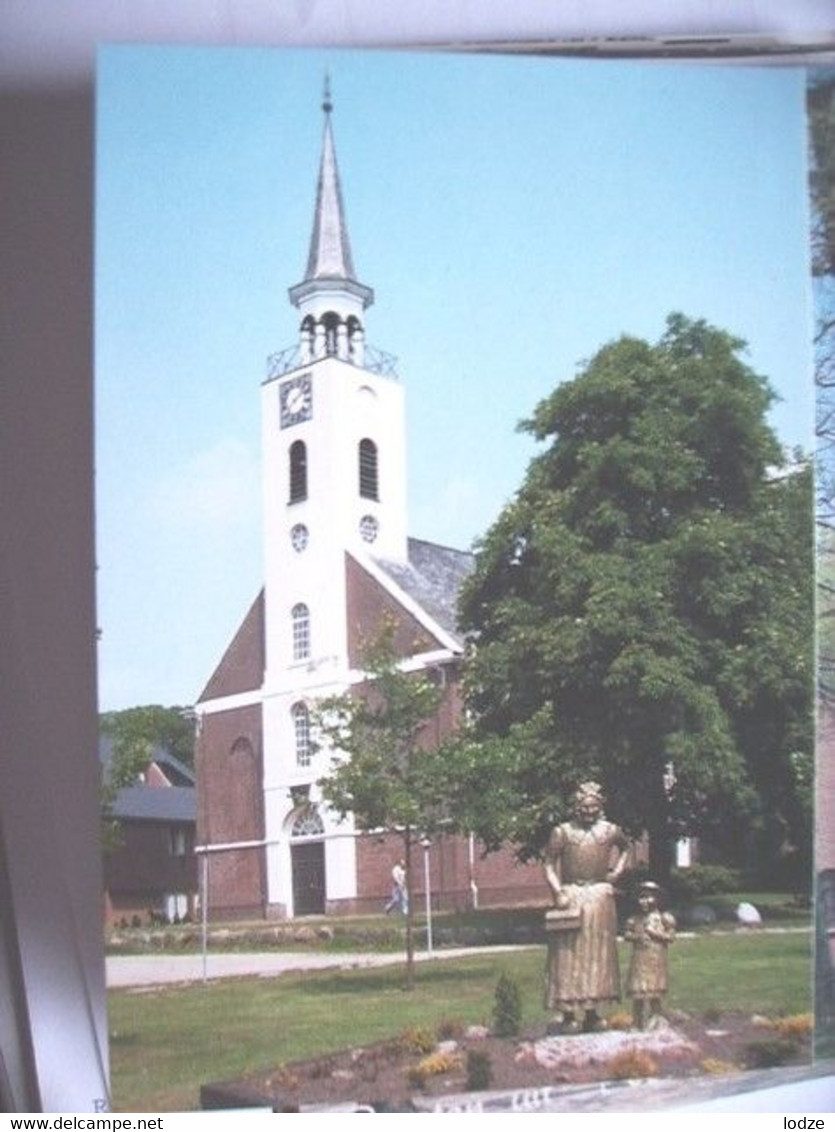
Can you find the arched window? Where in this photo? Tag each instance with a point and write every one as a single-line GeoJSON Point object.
{"type": "Point", "coordinates": [330, 321]}
{"type": "Point", "coordinates": [306, 339]}
{"type": "Point", "coordinates": [369, 486]}
{"type": "Point", "coordinates": [300, 615]}
{"type": "Point", "coordinates": [301, 728]}
{"type": "Point", "coordinates": [298, 471]}
{"type": "Point", "coordinates": [236, 819]}
{"type": "Point", "coordinates": [307, 823]}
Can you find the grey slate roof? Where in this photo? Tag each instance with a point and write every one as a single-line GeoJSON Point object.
{"type": "Point", "coordinates": [175, 769]}
{"type": "Point", "coordinates": [330, 249]}
{"type": "Point", "coordinates": [163, 803]}
{"type": "Point", "coordinates": [433, 578]}
{"type": "Point", "coordinates": [329, 258]}
{"type": "Point", "coordinates": [177, 802]}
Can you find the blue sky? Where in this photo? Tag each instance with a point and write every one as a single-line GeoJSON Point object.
{"type": "Point", "coordinates": [512, 215]}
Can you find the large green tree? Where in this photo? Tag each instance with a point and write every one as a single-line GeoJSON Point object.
{"type": "Point", "coordinates": [384, 765]}
{"type": "Point", "coordinates": [641, 610]}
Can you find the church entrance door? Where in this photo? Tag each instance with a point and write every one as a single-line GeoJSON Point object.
{"type": "Point", "coordinates": [308, 861]}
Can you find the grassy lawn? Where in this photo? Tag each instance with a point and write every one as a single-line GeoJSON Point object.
{"type": "Point", "coordinates": [166, 1043]}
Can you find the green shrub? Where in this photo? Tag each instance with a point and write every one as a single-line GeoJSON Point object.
{"type": "Point", "coordinates": [417, 1039]}
{"type": "Point", "coordinates": [433, 1065]}
{"type": "Point", "coordinates": [702, 880]}
{"type": "Point", "coordinates": [507, 1007]}
{"type": "Point", "coordinates": [766, 1053]}
{"type": "Point", "coordinates": [479, 1070]}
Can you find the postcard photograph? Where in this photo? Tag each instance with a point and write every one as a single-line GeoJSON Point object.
{"type": "Point", "coordinates": [454, 426]}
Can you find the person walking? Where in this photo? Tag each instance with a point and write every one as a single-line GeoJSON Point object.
{"type": "Point", "coordinates": [399, 893]}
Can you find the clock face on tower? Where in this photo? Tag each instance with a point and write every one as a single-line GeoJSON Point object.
{"type": "Point", "coordinates": [296, 400]}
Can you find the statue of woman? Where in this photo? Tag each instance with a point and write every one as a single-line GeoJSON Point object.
{"type": "Point", "coordinates": [584, 859]}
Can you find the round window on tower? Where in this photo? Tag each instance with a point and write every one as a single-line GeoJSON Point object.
{"type": "Point", "coordinates": [299, 536]}
{"type": "Point", "coordinates": [369, 527]}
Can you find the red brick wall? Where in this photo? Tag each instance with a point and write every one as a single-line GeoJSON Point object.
{"type": "Point", "coordinates": [155, 777]}
{"type": "Point", "coordinates": [503, 880]}
{"type": "Point", "coordinates": [368, 603]}
{"type": "Point", "coordinates": [139, 873]}
{"type": "Point", "coordinates": [241, 668]}
{"type": "Point", "coordinates": [500, 879]}
{"type": "Point", "coordinates": [228, 761]}
{"type": "Point", "coordinates": [144, 862]}
{"type": "Point", "coordinates": [123, 909]}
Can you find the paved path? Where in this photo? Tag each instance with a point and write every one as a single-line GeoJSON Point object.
{"type": "Point", "coordinates": [155, 970]}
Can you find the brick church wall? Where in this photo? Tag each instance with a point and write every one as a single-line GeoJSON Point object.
{"type": "Point", "coordinates": [230, 809]}
{"type": "Point", "coordinates": [241, 668]}
{"type": "Point", "coordinates": [368, 604]}
{"type": "Point", "coordinates": [499, 879]}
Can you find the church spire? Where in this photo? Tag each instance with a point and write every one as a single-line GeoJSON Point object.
{"type": "Point", "coordinates": [330, 265]}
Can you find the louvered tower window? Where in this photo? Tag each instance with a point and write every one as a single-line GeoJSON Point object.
{"type": "Point", "coordinates": [298, 471]}
{"type": "Point", "coordinates": [369, 477]}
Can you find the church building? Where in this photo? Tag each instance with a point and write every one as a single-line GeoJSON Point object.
{"type": "Point", "coordinates": [337, 561]}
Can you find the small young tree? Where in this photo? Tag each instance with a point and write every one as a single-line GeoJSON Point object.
{"type": "Point", "coordinates": [382, 769]}
{"type": "Point", "coordinates": [507, 1007]}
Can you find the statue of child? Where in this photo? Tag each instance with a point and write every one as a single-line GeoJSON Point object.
{"type": "Point", "coordinates": [650, 933]}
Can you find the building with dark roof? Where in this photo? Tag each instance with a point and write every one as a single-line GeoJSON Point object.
{"type": "Point", "coordinates": [150, 872]}
{"type": "Point", "coordinates": [338, 562]}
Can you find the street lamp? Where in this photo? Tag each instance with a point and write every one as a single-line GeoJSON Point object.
{"type": "Point", "coordinates": [425, 845]}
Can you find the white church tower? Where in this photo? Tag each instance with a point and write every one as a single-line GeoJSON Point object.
{"type": "Point", "coordinates": [334, 483]}
{"type": "Point", "coordinates": [337, 562]}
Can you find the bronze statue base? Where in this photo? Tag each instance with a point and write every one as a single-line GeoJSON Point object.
{"type": "Point", "coordinates": [567, 1023]}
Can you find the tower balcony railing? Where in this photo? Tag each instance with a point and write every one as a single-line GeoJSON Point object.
{"type": "Point", "coordinates": [374, 360]}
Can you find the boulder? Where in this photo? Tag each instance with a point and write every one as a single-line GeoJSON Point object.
{"type": "Point", "coordinates": [447, 1046]}
{"type": "Point", "coordinates": [701, 916]}
{"type": "Point", "coordinates": [748, 915]}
